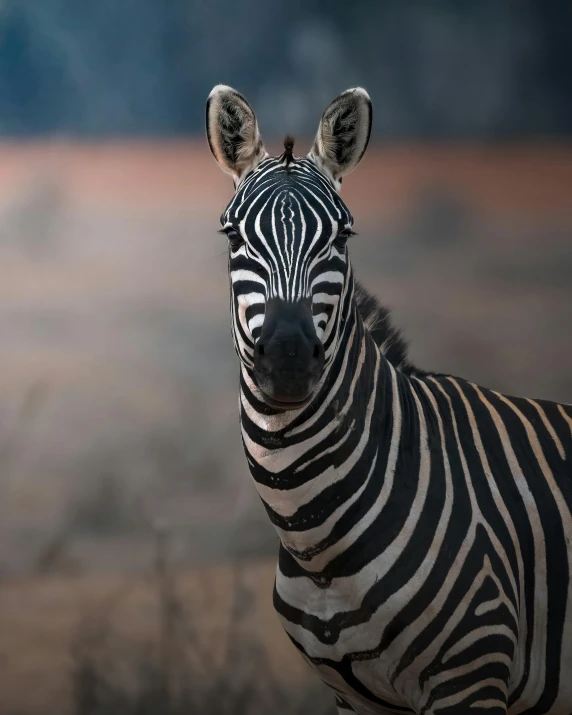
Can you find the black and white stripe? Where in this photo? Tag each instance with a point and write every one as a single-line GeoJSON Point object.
{"type": "Point", "coordinates": [292, 216]}
{"type": "Point", "coordinates": [425, 522]}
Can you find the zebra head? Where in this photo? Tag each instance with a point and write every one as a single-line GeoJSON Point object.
{"type": "Point", "coordinates": [287, 229]}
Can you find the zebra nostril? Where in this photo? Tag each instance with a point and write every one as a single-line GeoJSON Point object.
{"type": "Point", "coordinates": [317, 351]}
{"type": "Point", "coordinates": [260, 348]}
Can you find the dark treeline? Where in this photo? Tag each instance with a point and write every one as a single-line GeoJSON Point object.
{"type": "Point", "coordinates": [435, 68]}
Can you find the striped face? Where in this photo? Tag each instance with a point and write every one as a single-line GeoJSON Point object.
{"type": "Point", "coordinates": [287, 229]}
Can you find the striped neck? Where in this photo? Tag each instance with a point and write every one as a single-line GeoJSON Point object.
{"type": "Point", "coordinates": [310, 464]}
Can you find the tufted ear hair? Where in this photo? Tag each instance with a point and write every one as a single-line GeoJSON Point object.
{"type": "Point", "coordinates": [232, 132]}
{"type": "Point", "coordinates": [343, 134]}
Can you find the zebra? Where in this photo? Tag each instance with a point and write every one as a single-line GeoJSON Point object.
{"type": "Point", "coordinates": [424, 521]}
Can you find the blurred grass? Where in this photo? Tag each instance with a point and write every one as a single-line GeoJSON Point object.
{"type": "Point", "coordinates": [180, 673]}
{"type": "Point", "coordinates": [169, 641]}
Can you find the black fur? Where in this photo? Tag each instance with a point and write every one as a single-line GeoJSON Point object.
{"type": "Point", "coordinates": [288, 149]}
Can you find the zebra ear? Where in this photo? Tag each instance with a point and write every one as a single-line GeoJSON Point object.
{"type": "Point", "coordinates": [232, 132]}
{"type": "Point", "coordinates": [343, 134]}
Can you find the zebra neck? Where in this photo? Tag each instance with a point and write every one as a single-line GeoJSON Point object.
{"type": "Point", "coordinates": [309, 467]}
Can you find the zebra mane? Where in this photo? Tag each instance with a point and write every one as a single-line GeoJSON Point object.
{"type": "Point", "coordinates": [288, 155]}
{"type": "Point", "coordinates": [377, 320]}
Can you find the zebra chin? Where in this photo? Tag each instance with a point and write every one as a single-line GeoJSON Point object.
{"type": "Point", "coordinates": [289, 394]}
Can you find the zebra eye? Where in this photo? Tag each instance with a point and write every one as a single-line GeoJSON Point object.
{"type": "Point", "coordinates": [341, 239]}
{"type": "Point", "coordinates": [235, 240]}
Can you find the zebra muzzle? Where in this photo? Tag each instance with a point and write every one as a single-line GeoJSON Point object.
{"type": "Point", "coordinates": [288, 356]}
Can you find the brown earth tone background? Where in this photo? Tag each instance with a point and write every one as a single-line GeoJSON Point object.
{"type": "Point", "coordinates": [131, 539]}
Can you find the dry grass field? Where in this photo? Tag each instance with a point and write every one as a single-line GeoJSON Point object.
{"type": "Point", "coordinates": [118, 407]}
{"type": "Point", "coordinates": [204, 641]}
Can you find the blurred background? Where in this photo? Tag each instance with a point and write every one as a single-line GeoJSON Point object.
{"type": "Point", "coordinates": [136, 562]}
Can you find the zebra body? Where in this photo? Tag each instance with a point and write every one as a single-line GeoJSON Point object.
{"type": "Point", "coordinates": [425, 522]}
